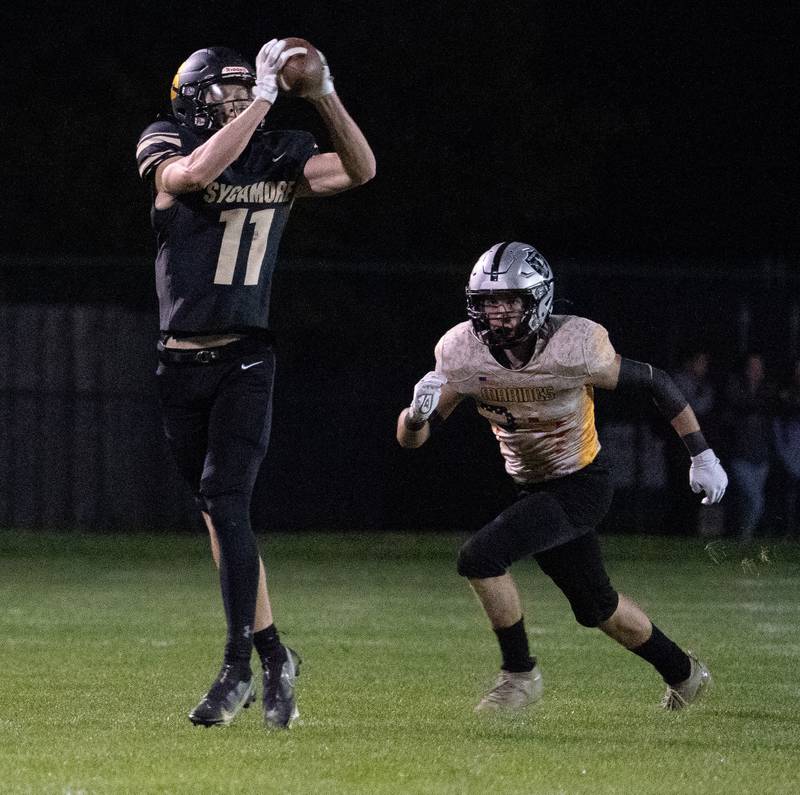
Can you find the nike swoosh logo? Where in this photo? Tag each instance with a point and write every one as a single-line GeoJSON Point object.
{"type": "Point", "coordinates": [248, 366]}
{"type": "Point", "coordinates": [276, 159]}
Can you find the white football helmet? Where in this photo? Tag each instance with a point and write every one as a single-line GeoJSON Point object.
{"type": "Point", "coordinates": [515, 272]}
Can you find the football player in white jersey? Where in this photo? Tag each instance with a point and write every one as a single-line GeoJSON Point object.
{"type": "Point", "coordinates": [531, 374]}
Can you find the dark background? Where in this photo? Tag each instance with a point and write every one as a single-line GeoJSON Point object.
{"type": "Point", "coordinates": [589, 128]}
{"type": "Point", "coordinates": [648, 149]}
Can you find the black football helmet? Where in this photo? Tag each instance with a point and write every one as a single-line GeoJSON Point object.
{"type": "Point", "coordinates": [203, 69]}
{"type": "Point", "coordinates": [509, 272]}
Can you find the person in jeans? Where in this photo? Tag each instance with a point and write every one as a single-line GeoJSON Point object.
{"type": "Point", "coordinates": [749, 399]}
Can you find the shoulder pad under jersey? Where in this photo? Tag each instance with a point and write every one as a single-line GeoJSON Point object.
{"type": "Point", "coordinates": [456, 353]}
{"type": "Point", "coordinates": [160, 141]}
{"type": "Point", "coordinates": [578, 346]}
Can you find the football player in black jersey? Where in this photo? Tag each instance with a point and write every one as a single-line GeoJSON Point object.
{"type": "Point", "coordinates": [222, 188]}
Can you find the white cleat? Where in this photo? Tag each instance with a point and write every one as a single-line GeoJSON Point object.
{"type": "Point", "coordinates": [513, 691]}
{"type": "Point", "coordinates": [689, 690]}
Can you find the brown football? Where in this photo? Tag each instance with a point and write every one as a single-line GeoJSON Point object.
{"type": "Point", "coordinates": [302, 69]}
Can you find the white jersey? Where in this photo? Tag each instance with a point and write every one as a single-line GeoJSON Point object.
{"type": "Point", "coordinates": [542, 414]}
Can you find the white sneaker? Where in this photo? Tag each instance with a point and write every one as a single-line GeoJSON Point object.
{"type": "Point", "coordinates": [512, 691]}
{"type": "Point", "coordinates": [689, 690]}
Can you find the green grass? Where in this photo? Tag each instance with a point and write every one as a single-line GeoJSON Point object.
{"type": "Point", "coordinates": [106, 642]}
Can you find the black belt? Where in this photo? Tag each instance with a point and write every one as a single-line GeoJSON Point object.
{"type": "Point", "coordinates": [219, 353]}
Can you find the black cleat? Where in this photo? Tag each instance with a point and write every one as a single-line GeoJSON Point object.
{"type": "Point", "coordinates": [280, 707]}
{"type": "Point", "coordinates": [227, 696]}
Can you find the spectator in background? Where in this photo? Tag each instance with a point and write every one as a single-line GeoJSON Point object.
{"type": "Point", "coordinates": [749, 400]}
{"type": "Point", "coordinates": [786, 438]}
{"type": "Point", "coordinates": [693, 380]}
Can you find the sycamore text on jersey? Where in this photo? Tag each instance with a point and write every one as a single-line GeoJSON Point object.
{"type": "Point", "coordinates": [260, 192]}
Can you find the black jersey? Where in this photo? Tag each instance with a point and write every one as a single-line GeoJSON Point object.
{"type": "Point", "coordinates": [217, 246]}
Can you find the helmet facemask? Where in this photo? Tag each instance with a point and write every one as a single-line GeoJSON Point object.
{"type": "Point", "coordinates": [224, 101]}
{"type": "Point", "coordinates": [505, 319]}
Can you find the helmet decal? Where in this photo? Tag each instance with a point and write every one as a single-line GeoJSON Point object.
{"type": "Point", "coordinates": [498, 256]}
{"type": "Point", "coordinates": [534, 258]}
{"type": "Point", "coordinates": [173, 89]}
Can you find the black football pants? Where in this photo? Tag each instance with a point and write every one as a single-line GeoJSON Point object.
{"type": "Point", "coordinates": [217, 418]}
{"type": "Point", "coordinates": [553, 522]}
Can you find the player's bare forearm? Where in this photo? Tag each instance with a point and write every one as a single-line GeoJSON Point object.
{"type": "Point", "coordinates": [411, 434]}
{"type": "Point", "coordinates": [355, 161]}
{"type": "Point", "coordinates": [211, 158]}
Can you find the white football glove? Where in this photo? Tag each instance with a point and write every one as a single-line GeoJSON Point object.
{"type": "Point", "coordinates": [706, 474]}
{"type": "Point", "coordinates": [325, 85]}
{"type": "Point", "coordinates": [269, 62]}
{"type": "Point", "coordinates": [426, 397]}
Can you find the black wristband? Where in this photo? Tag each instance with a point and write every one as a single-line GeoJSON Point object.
{"type": "Point", "coordinates": [695, 442]}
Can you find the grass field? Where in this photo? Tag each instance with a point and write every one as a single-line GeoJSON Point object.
{"type": "Point", "coordinates": [106, 642]}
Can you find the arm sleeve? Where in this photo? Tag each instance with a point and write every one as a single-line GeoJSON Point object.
{"type": "Point", "coordinates": [642, 378]}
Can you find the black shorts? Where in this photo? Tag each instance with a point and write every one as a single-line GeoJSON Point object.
{"type": "Point", "coordinates": [584, 497]}
{"type": "Point", "coordinates": [217, 414]}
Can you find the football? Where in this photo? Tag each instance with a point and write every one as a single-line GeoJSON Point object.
{"type": "Point", "coordinates": [302, 69]}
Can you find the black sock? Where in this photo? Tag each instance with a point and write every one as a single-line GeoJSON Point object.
{"type": "Point", "coordinates": [268, 644]}
{"type": "Point", "coordinates": [665, 656]}
{"type": "Point", "coordinates": [514, 647]}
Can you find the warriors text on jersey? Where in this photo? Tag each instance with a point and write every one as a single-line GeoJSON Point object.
{"type": "Point", "coordinates": [217, 246]}
{"type": "Point", "coordinates": [542, 414]}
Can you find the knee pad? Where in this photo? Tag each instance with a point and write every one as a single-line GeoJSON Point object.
{"type": "Point", "coordinates": [228, 512]}
{"type": "Point", "coordinates": [531, 523]}
{"type": "Point", "coordinates": [476, 561]}
{"type": "Point", "coordinates": [578, 571]}
{"type": "Point", "coordinates": [591, 609]}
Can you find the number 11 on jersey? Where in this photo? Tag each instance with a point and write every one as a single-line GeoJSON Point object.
{"type": "Point", "coordinates": [234, 221]}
